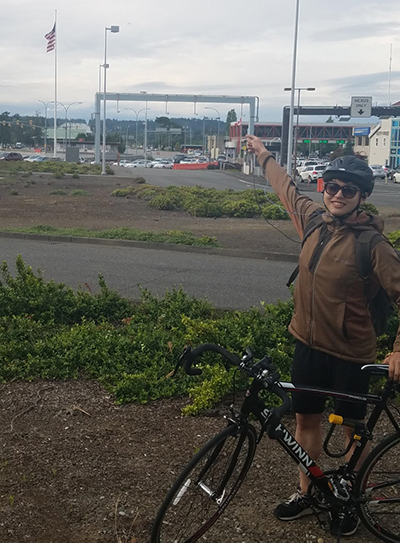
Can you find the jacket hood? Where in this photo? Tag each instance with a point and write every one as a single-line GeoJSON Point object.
{"type": "Point", "coordinates": [362, 221]}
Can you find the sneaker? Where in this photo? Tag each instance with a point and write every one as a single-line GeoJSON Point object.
{"type": "Point", "coordinates": [298, 505]}
{"type": "Point", "coordinates": [346, 523]}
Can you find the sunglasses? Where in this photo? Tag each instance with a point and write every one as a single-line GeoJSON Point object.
{"type": "Point", "coordinates": [348, 191]}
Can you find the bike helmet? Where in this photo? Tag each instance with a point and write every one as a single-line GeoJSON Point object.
{"type": "Point", "coordinates": [351, 169]}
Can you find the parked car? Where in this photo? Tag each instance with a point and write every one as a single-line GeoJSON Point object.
{"type": "Point", "coordinates": [392, 171]}
{"type": "Point", "coordinates": [138, 164]}
{"type": "Point", "coordinates": [164, 164]}
{"type": "Point", "coordinates": [378, 171]}
{"type": "Point", "coordinates": [41, 158]}
{"type": "Point", "coordinates": [396, 177]}
{"type": "Point", "coordinates": [152, 163]}
{"type": "Point", "coordinates": [31, 158]}
{"type": "Point", "coordinates": [177, 158]}
{"type": "Point", "coordinates": [304, 164]}
{"type": "Point", "coordinates": [10, 156]}
{"type": "Point", "coordinates": [189, 160]}
{"type": "Point", "coordinates": [312, 173]}
{"type": "Point", "coordinates": [122, 162]}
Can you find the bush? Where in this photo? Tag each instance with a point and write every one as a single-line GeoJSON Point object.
{"type": "Point", "coordinates": [122, 193]}
{"type": "Point", "coordinates": [201, 202]}
{"type": "Point", "coordinates": [49, 331]}
{"type": "Point", "coordinates": [58, 192]}
{"type": "Point", "coordinates": [369, 208]}
{"type": "Point", "coordinates": [394, 237]}
{"type": "Point", "coordinates": [79, 192]}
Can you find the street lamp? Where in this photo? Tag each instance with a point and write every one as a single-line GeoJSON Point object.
{"type": "Point", "coordinates": [113, 29]}
{"type": "Point", "coordinates": [298, 89]}
{"type": "Point", "coordinates": [145, 131]}
{"type": "Point", "coordinates": [204, 134]}
{"type": "Point", "coordinates": [66, 108]}
{"type": "Point", "coordinates": [137, 115]}
{"type": "Point", "coordinates": [290, 134]}
{"type": "Point", "coordinates": [45, 123]}
{"type": "Point", "coordinates": [218, 119]}
{"type": "Point", "coordinates": [66, 121]}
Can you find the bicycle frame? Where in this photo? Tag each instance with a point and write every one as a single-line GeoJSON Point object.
{"type": "Point", "coordinates": [253, 404]}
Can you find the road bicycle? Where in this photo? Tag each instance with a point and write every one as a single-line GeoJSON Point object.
{"type": "Point", "coordinates": [208, 484]}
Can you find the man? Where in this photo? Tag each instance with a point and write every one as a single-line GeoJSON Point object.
{"type": "Point", "coordinates": [331, 321]}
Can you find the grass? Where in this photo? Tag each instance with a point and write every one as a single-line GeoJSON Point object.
{"type": "Point", "coordinates": [173, 236]}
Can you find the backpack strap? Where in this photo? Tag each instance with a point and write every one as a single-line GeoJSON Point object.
{"type": "Point", "coordinates": [315, 221]}
{"type": "Point", "coordinates": [366, 241]}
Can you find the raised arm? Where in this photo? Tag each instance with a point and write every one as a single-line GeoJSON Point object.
{"type": "Point", "coordinates": [299, 206]}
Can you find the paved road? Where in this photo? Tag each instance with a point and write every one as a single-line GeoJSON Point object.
{"type": "Point", "coordinates": [228, 282]}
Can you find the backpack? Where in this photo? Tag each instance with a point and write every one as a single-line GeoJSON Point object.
{"type": "Point", "coordinates": [381, 305]}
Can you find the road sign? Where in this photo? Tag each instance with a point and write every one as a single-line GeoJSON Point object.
{"type": "Point", "coordinates": [361, 106]}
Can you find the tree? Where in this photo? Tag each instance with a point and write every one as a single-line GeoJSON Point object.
{"type": "Point", "coordinates": [231, 117]}
{"type": "Point", "coordinates": [343, 151]}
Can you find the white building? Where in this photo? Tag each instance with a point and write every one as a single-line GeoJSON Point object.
{"type": "Point", "coordinates": [380, 143]}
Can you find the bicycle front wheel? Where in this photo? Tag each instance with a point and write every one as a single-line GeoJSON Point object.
{"type": "Point", "coordinates": [206, 486]}
{"type": "Point", "coordinates": [377, 490]}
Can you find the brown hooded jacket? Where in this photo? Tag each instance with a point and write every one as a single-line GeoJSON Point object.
{"type": "Point", "coordinates": [331, 312]}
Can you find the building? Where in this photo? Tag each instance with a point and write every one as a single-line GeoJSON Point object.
{"type": "Point", "coordinates": [314, 135]}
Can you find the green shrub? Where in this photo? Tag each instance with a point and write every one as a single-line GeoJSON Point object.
{"type": "Point", "coordinates": [394, 237]}
{"type": "Point", "coordinates": [58, 192]}
{"type": "Point", "coordinates": [201, 202]}
{"type": "Point", "coordinates": [49, 331]}
{"type": "Point", "coordinates": [79, 192]}
{"type": "Point", "coordinates": [369, 208]}
{"type": "Point", "coordinates": [240, 208]}
{"type": "Point", "coordinates": [123, 192]}
{"type": "Point", "coordinates": [274, 212]}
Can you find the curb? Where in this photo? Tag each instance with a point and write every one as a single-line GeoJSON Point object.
{"type": "Point", "coordinates": [256, 255]}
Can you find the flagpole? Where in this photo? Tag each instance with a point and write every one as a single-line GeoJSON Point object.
{"type": "Point", "coordinates": [55, 87]}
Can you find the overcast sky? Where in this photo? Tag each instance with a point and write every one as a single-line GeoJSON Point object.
{"type": "Point", "coordinates": [224, 47]}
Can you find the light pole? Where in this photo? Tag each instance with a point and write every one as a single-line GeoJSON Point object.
{"type": "Point", "coordinates": [66, 108]}
{"type": "Point", "coordinates": [296, 133]}
{"type": "Point", "coordinates": [126, 137]}
{"type": "Point", "coordinates": [66, 121]}
{"type": "Point", "coordinates": [137, 116]}
{"type": "Point", "coordinates": [204, 134]}
{"type": "Point", "coordinates": [218, 119]}
{"type": "Point", "coordinates": [145, 131]}
{"type": "Point", "coordinates": [290, 135]}
{"type": "Point", "coordinates": [45, 123]}
{"type": "Point", "coordinates": [113, 29]}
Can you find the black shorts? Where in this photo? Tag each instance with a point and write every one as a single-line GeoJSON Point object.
{"type": "Point", "coordinates": [317, 369]}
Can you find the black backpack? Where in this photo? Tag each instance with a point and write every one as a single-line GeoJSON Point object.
{"type": "Point", "coordinates": [381, 305]}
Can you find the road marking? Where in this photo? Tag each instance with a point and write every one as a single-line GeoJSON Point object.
{"type": "Point", "coordinates": [251, 183]}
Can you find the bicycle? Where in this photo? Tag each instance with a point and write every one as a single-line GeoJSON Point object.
{"type": "Point", "coordinates": [207, 485]}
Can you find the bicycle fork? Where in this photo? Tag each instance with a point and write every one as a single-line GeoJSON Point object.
{"type": "Point", "coordinates": [217, 494]}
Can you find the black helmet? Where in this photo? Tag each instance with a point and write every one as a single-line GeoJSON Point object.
{"type": "Point", "coordinates": [351, 169]}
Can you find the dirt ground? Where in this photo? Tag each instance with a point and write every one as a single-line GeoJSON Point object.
{"type": "Point", "coordinates": [74, 467]}
{"type": "Point", "coordinates": [34, 204]}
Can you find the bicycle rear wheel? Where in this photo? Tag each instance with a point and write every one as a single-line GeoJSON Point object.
{"type": "Point", "coordinates": [206, 486]}
{"type": "Point", "coordinates": [377, 490]}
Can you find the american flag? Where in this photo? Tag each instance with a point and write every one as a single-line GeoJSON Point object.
{"type": "Point", "coordinates": [51, 39]}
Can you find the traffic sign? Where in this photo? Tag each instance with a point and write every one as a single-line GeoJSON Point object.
{"type": "Point", "coordinates": [361, 106]}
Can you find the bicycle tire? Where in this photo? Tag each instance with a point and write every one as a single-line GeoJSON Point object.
{"type": "Point", "coordinates": [190, 508]}
{"type": "Point", "coordinates": [377, 490]}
